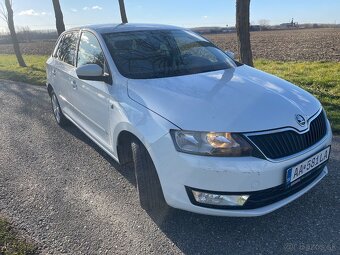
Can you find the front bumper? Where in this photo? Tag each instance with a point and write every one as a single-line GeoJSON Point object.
{"type": "Point", "coordinates": [261, 210]}
{"type": "Point", "coordinates": [179, 171]}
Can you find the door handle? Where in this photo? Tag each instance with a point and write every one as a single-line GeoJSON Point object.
{"type": "Point", "coordinates": [54, 72]}
{"type": "Point", "coordinates": [74, 84]}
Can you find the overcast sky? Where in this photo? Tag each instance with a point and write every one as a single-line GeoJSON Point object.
{"type": "Point", "coordinates": [38, 14]}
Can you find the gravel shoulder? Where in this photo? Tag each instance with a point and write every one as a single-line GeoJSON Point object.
{"type": "Point", "coordinates": [59, 188]}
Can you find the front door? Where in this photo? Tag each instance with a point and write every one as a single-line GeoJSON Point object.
{"type": "Point", "coordinates": [91, 98]}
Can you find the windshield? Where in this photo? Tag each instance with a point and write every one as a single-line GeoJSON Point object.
{"type": "Point", "coordinates": [164, 53]}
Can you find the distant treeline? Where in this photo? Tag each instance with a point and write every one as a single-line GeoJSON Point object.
{"type": "Point", "coordinates": [25, 34]}
{"type": "Point", "coordinates": [284, 26]}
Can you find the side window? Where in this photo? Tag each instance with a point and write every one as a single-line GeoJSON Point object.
{"type": "Point", "coordinates": [90, 51]}
{"type": "Point", "coordinates": [57, 52]}
{"type": "Point", "coordinates": [56, 48]}
{"type": "Point", "coordinates": [67, 48]}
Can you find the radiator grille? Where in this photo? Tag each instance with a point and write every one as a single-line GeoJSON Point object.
{"type": "Point", "coordinates": [286, 143]}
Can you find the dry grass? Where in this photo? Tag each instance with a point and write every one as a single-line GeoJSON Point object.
{"type": "Point", "coordinates": [11, 244]}
{"type": "Point", "coordinates": [32, 48]}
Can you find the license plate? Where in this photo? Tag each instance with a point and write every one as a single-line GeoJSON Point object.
{"type": "Point", "coordinates": [299, 170]}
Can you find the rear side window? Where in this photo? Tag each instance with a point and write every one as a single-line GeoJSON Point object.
{"type": "Point", "coordinates": [90, 51]}
{"type": "Point", "coordinates": [67, 48]}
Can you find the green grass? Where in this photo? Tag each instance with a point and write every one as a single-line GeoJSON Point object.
{"type": "Point", "coordinates": [322, 79]}
{"type": "Point", "coordinates": [34, 73]}
{"type": "Point", "coordinates": [11, 244]}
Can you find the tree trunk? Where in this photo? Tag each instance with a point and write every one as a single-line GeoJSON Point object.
{"type": "Point", "coordinates": [122, 11]}
{"type": "Point", "coordinates": [14, 37]}
{"type": "Point", "coordinates": [243, 35]}
{"type": "Point", "coordinates": [59, 18]}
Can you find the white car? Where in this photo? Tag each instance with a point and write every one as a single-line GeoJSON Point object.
{"type": "Point", "coordinates": [206, 134]}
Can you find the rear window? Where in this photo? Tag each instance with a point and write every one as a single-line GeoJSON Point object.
{"type": "Point", "coordinates": [164, 53]}
{"type": "Point", "coordinates": [66, 51]}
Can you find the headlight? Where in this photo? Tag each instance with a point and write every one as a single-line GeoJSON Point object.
{"type": "Point", "coordinates": [211, 143]}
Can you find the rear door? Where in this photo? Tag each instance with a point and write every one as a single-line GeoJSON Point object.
{"type": "Point", "coordinates": [64, 71]}
{"type": "Point", "coordinates": [91, 98]}
{"type": "Point", "coordinates": [50, 66]}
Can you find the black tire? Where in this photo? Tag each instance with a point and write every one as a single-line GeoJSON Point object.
{"type": "Point", "coordinates": [125, 155]}
{"type": "Point", "coordinates": [148, 185]}
{"type": "Point", "coordinates": [58, 114]}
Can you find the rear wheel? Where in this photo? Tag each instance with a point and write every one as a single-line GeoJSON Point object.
{"type": "Point", "coordinates": [58, 115]}
{"type": "Point", "coordinates": [148, 185]}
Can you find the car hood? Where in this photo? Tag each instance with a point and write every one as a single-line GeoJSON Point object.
{"type": "Point", "coordinates": [240, 99]}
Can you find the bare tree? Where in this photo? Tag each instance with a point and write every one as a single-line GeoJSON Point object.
{"type": "Point", "coordinates": [7, 16]}
{"type": "Point", "coordinates": [243, 35]}
{"type": "Point", "coordinates": [264, 23]}
{"type": "Point", "coordinates": [59, 18]}
{"type": "Point", "coordinates": [122, 11]}
{"type": "Point", "coordinates": [24, 34]}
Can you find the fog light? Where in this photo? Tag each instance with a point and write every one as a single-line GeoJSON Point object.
{"type": "Point", "coordinates": [222, 200]}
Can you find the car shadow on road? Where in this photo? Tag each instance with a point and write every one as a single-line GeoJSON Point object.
{"type": "Point", "coordinates": [126, 171]}
{"type": "Point", "coordinates": [281, 232]}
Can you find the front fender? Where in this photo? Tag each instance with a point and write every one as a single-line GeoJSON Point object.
{"type": "Point", "coordinates": [146, 125]}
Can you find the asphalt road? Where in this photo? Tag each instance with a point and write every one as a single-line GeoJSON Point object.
{"type": "Point", "coordinates": [61, 190]}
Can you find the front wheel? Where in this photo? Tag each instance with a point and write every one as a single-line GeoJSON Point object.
{"type": "Point", "coordinates": [148, 185]}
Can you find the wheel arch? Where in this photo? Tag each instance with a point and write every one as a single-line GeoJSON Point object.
{"type": "Point", "coordinates": [122, 134]}
{"type": "Point", "coordinates": [141, 124]}
{"type": "Point", "coordinates": [123, 146]}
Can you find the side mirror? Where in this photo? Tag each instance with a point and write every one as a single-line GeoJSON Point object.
{"type": "Point", "coordinates": [230, 54]}
{"type": "Point", "coordinates": [91, 72]}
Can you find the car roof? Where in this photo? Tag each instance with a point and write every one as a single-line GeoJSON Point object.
{"type": "Point", "coordinates": [115, 28]}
